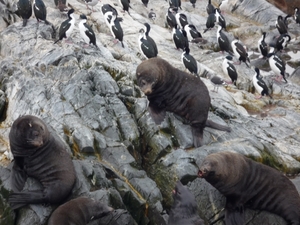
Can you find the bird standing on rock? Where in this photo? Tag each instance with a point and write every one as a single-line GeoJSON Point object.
{"type": "Point", "coordinates": [152, 15]}
{"type": "Point", "coordinates": [86, 31]}
{"type": "Point", "coordinates": [67, 27]}
{"type": "Point", "coordinates": [170, 17]}
{"type": "Point", "coordinates": [24, 10]}
{"type": "Point", "coordinates": [180, 38]}
{"type": "Point", "coordinates": [229, 69]}
{"type": "Point", "coordinates": [147, 44]}
{"type": "Point", "coordinates": [262, 45]}
{"type": "Point", "coordinates": [281, 25]}
{"type": "Point", "coordinates": [189, 62]}
{"type": "Point", "coordinates": [277, 65]}
{"type": "Point", "coordinates": [240, 52]}
{"type": "Point", "coordinates": [223, 41]}
{"type": "Point", "coordinates": [217, 82]}
{"type": "Point", "coordinates": [192, 32]}
{"type": "Point", "coordinates": [115, 27]}
{"type": "Point", "coordinates": [260, 85]}
{"type": "Point", "coordinates": [40, 11]}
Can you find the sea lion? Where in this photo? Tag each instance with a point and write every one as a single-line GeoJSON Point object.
{"type": "Point", "coordinates": [184, 209]}
{"type": "Point", "coordinates": [249, 184]}
{"type": "Point", "coordinates": [170, 89]}
{"type": "Point", "coordinates": [41, 155]}
{"type": "Point", "coordinates": [79, 211]}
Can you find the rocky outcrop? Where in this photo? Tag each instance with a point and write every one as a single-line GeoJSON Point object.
{"type": "Point", "coordinates": [90, 98]}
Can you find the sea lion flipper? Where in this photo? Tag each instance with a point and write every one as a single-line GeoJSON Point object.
{"type": "Point", "coordinates": [19, 199]}
{"type": "Point", "coordinates": [197, 136]}
{"type": "Point", "coordinates": [18, 177]}
{"type": "Point", "coordinates": [217, 126]}
{"type": "Point", "coordinates": [158, 115]}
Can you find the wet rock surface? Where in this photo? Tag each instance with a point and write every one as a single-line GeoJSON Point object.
{"type": "Point", "coordinates": [90, 99]}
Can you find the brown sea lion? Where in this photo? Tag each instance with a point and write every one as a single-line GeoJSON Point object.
{"type": "Point", "coordinates": [170, 89]}
{"type": "Point", "coordinates": [184, 209]}
{"type": "Point", "coordinates": [249, 184]}
{"type": "Point", "coordinates": [79, 211]}
{"type": "Point", "coordinates": [43, 156]}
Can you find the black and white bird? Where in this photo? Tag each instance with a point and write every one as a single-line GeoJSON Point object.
{"type": "Point", "coordinates": [297, 15]}
{"type": "Point", "coordinates": [180, 38]}
{"type": "Point", "coordinates": [152, 15]}
{"type": "Point", "coordinates": [193, 3]}
{"type": "Point", "coordinates": [277, 66]}
{"type": "Point", "coordinates": [210, 8]}
{"type": "Point", "coordinates": [145, 2]}
{"type": "Point", "coordinates": [220, 18]}
{"type": "Point", "coordinates": [210, 22]}
{"type": "Point", "coordinates": [175, 3]}
{"type": "Point", "coordinates": [40, 11]}
{"type": "Point", "coordinates": [147, 45]}
{"type": "Point", "coordinates": [86, 31]}
{"type": "Point", "coordinates": [24, 10]}
{"type": "Point", "coordinates": [192, 32]}
{"type": "Point", "coordinates": [260, 85]}
{"type": "Point", "coordinates": [223, 40]}
{"type": "Point", "coordinates": [281, 25]}
{"type": "Point", "coordinates": [91, 3]}
{"type": "Point", "coordinates": [229, 69]}
{"type": "Point", "coordinates": [125, 5]}
{"type": "Point", "coordinates": [108, 11]}
{"type": "Point", "coordinates": [181, 20]}
{"type": "Point", "coordinates": [66, 27]}
{"type": "Point", "coordinates": [115, 26]}
{"type": "Point", "coordinates": [217, 82]}
{"type": "Point", "coordinates": [262, 46]}
{"type": "Point", "coordinates": [282, 41]}
{"type": "Point", "coordinates": [189, 62]}
{"type": "Point", "coordinates": [240, 52]}
{"type": "Point", "coordinates": [170, 17]}
{"type": "Point", "coordinates": [108, 8]}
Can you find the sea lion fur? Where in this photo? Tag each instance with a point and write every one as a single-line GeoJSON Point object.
{"type": "Point", "coordinates": [184, 209]}
{"type": "Point", "coordinates": [170, 89]}
{"type": "Point", "coordinates": [40, 155]}
{"type": "Point", "coordinates": [80, 211]}
{"type": "Point", "coordinates": [249, 184]}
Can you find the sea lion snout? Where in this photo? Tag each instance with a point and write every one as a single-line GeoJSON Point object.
{"type": "Point", "coordinates": [202, 173]}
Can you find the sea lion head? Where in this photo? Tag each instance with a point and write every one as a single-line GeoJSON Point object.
{"type": "Point", "coordinates": [28, 132]}
{"type": "Point", "coordinates": [184, 205]}
{"type": "Point", "coordinates": [223, 166]}
{"type": "Point", "coordinates": [150, 74]}
{"type": "Point", "coordinates": [208, 168]}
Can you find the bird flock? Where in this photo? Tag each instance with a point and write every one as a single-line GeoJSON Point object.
{"type": "Point", "coordinates": [183, 33]}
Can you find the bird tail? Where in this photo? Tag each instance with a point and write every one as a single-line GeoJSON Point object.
{"type": "Point", "coordinates": [25, 22]}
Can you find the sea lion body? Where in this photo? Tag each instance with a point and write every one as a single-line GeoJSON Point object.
{"type": "Point", "coordinates": [170, 89]}
{"type": "Point", "coordinates": [249, 184]}
{"type": "Point", "coordinates": [184, 209]}
{"type": "Point", "coordinates": [41, 155]}
{"type": "Point", "coordinates": [79, 211]}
